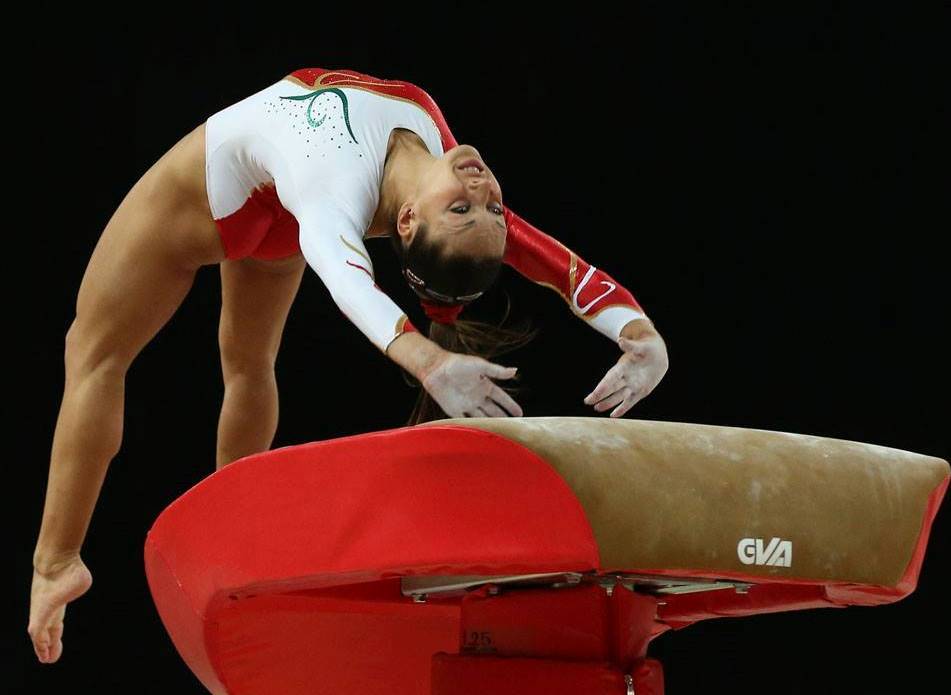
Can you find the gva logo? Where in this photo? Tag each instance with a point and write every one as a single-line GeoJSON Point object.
{"type": "Point", "coordinates": [778, 553]}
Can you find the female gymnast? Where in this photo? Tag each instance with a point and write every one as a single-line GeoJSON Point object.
{"type": "Point", "coordinates": [299, 174]}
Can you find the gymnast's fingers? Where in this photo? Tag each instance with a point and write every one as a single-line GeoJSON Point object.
{"type": "Point", "coordinates": [492, 409]}
{"type": "Point", "coordinates": [612, 400]}
{"type": "Point", "coordinates": [497, 371]}
{"type": "Point", "coordinates": [499, 395]}
{"type": "Point", "coordinates": [628, 403]}
{"type": "Point", "coordinates": [612, 381]}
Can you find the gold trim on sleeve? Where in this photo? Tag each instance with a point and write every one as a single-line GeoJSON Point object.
{"type": "Point", "coordinates": [572, 273]}
{"type": "Point", "coordinates": [357, 251]}
{"type": "Point", "coordinates": [400, 322]}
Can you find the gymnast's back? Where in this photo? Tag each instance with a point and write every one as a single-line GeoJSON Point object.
{"type": "Point", "coordinates": [320, 130]}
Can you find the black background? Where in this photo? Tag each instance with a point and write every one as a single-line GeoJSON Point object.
{"type": "Point", "coordinates": [765, 183]}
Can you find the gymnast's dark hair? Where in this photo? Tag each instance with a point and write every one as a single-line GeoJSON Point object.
{"type": "Point", "coordinates": [457, 275]}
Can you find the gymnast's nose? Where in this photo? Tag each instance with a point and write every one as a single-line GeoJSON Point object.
{"type": "Point", "coordinates": [483, 186]}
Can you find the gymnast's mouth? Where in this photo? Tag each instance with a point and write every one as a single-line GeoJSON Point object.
{"type": "Point", "coordinates": [471, 164]}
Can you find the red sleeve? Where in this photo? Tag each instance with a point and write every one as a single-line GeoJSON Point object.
{"type": "Point", "coordinates": [591, 293]}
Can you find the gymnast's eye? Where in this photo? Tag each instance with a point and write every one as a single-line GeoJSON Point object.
{"type": "Point", "coordinates": [463, 209]}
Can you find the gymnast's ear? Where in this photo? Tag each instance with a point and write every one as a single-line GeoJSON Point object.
{"type": "Point", "coordinates": [407, 224]}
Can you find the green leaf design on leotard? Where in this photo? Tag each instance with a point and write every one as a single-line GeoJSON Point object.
{"type": "Point", "coordinates": [313, 97]}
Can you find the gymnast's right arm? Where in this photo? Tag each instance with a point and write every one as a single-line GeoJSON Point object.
{"type": "Point", "coordinates": [332, 244]}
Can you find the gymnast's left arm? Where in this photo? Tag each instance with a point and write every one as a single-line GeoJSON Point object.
{"type": "Point", "coordinates": [603, 303]}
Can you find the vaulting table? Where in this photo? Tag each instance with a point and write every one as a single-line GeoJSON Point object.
{"type": "Point", "coordinates": [522, 555]}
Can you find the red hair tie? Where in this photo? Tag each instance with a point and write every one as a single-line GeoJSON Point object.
{"type": "Point", "coordinates": [441, 313]}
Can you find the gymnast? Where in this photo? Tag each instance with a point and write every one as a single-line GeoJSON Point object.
{"type": "Point", "coordinates": [299, 174]}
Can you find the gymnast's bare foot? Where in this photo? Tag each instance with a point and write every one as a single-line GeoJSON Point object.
{"type": "Point", "coordinates": [64, 581]}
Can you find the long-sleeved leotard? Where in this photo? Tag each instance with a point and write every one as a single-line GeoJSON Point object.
{"type": "Point", "coordinates": [297, 167]}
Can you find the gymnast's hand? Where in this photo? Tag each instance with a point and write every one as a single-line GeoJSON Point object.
{"type": "Point", "coordinates": [639, 369]}
{"type": "Point", "coordinates": [53, 588]}
{"type": "Point", "coordinates": [462, 386]}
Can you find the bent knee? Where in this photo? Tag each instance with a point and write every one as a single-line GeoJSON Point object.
{"type": "Point", "coordinates": [244, 354]}
{"type": "Point", "coordinates": [237, 362]}
{"type": "Point", "coordinates": [86, 351]}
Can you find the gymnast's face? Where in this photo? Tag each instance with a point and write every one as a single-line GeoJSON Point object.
{"type": "Point", "coordinates": [460, 201]}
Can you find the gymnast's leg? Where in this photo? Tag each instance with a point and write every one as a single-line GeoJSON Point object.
{"type": "Point", "coordinates": [256, 297]}
{"type": "Point", "coordinates": [140, 270]}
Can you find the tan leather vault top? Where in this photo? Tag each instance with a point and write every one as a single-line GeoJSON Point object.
{"type": "Point", "coordinates": [680, 495]}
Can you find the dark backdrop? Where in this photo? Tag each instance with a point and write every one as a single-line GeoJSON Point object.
{"type": "Point", "coordinates": [766, 184]}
